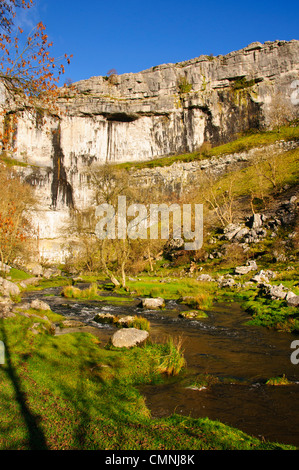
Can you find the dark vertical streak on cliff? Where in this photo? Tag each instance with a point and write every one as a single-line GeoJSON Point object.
{"type": "Point", "coordinates": [60, 184]}
{"type": "Point", "coordinates": [109, 139]}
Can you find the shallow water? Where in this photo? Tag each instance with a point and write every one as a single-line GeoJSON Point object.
{"type": "Point", "coordinates": [221, 345]}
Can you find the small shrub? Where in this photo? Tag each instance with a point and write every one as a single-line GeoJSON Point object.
{"type": "Point", "coordinates": [141, 323]}
{"type": "Point", "coordinates": [183, 85]}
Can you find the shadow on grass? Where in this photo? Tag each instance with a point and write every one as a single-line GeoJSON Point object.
{"type": "Point", "coordinates": [36, 437]}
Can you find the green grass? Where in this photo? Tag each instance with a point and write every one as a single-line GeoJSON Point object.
{"type": "Point", "coordinates": [272, 314]}
{"type": "Point", "coordinates": [69, 393]}
{"type": "Point", "coordinates": [240, 144]}
{"type": "Point", "coordinates": [174, 288]}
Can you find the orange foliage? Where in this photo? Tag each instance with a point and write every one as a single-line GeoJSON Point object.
{"type": "Point", "coordinates": [16, 199]}
{"type": "Point", "coordinates": [28, 72]}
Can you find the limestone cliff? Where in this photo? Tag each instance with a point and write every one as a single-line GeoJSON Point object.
{"type": "Point", "coordinates": [168, 109]}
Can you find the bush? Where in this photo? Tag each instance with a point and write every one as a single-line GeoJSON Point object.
{"type": "Point", "coordinates": [173, 360]}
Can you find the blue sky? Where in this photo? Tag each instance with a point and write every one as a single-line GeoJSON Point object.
{"type": "Point", "coordinates": [131, 35]}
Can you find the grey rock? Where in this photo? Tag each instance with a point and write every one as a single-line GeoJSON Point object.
{"type": "Point", "coordinates": [231, 230]}
{"type": "Point", "coordinates": [6, 307]}
{"type": "Point", "coordinates": [263, 276]}
{"type": "Point", "coordinates": [205, 277]}
{"type": "Point", "coordinates": [250, 266]}
{"type": "Point", "coordinates": [277, 292]}
{"type": "Point", "coordinates": [32, 281]}
{"type": "Point", "coordinates": [153, 303]}
{"type": "Point", "coordinates": [273, 292]}
{"type": "Point", "coordinates": [255, 221]}
{"type": "Point", "coordinates": [129, 337]}
{"type": "Point", "coordinates": [125, 321]}
{"type": "Point", "coordinates": [243, 269]}
{"type": "Point", "coordinates": [241, 233]}
{"type": "Point", "coordinates": [39, 305]}
{"type": "Point", "coordinates": [4, 268]}
{"type": "Point", "coordinates": [228, 282]}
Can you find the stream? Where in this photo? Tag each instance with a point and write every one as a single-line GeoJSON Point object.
{"type": "Point", "coordinates": [243, 357]}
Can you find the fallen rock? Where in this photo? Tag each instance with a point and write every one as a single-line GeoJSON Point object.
{"type": "Point", "coordinates": [263, 277]}
{"type": "Point", "coordinates": [153, 304]}
{"type": "Point", "coordinates": [274, 292]}
{"type": "Point", "coordinates": [205, 277]}
{"type": "Point", "coordinates": [129, 337]}
{"type": "Point", "coordinates": [35, 269]}
{"type": "Point", "coordinates": [51, 272]}
{"type": "Point", "coordinates": [241, 233]}
{"type": "Point", "coordinates": [226, 282]}
{"type": "Point", "coordinates": [243, 269]}
{"type": "Point", "coordinates": [292, 299]}
{"type": "Point", "coordinates": [32, 281]}
{"type": "Point", "coordinates": [250, 266]}
{"type": "Point", "coordinates": [125, 321]}
{"type": "Point", "coordinates": [231, 230]}
{"type": "Point", "coordinates": [256, 220]}
{"type": "Point", "coordinates": [39, 305]}
{"type": "Point", "coordinates": [4, 268]}
{"type": "Point", "coordinates": [6, 306]}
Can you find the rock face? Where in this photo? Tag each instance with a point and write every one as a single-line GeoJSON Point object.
{"type": "Point", "coordinates": [153, 303]}
{"type": "Point", "coordinates": [168, 109]}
